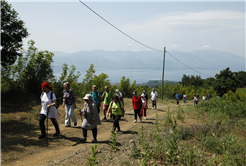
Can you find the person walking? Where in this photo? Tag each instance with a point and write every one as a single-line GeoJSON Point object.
{"type": "Point", "coordinates": [107, 96]}
{"type": "Point", "coordinates": [48, 109]}
{"type": "Point", "coordinates": [145, 96]}
{"type": "Point", "coordinates": [184, 98]}
{"type": "Point", "coordinates": [120, 96]}
{"type": "Point", "coordinates": [177, 96]}
{"type": "Point", "coordinates": [144, 106]}
{"type": "Point", "coordinates": [116, 108]}
{"type": "Point", "coordinates": [69, 101]}
{"type": "Point", "coordinates": [91, 118]}
{"type": "Point", "coordinates": [203, 97]}
{"type": "Point", "coordinates": [96, 97]}
{"type": "Point", "coordinates": [209, 96]}
{"type": "Point", "coordinates": [154, 98]}
{"type": "Point", "coordinates": [136, 105]}
{"type": "Point", "coordinates": [195, 100]}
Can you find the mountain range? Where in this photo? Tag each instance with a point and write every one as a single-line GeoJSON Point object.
{"type": "Point", "coordinates": [202, 59]}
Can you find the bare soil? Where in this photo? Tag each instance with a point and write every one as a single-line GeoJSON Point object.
{"type": "Point", "coordinates": [23, 148]}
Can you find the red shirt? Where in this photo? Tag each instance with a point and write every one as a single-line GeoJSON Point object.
{"type": "Point", "coordinates": [136, 102]}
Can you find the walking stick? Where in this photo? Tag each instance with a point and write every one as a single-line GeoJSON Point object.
{"type": "Point", "coordinates": [80, 115]}
{"type": "Point", "coordinates": [47, 125]}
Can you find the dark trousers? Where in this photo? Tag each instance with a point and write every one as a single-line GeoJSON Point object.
{"type": "Point", "coordinates": [42, 126]}
{"type": "Point", "coordinates": [98, 108]}
{"type": "Point", "coordinates": [154, 103]}
{"type": "Point", "coordinates": [137, 112]}
{"type": "Point", "coordinates": [116, 121]}
{"type": "Point", "coordinates": [94, 132]}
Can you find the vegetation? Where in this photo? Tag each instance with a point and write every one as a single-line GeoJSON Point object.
{"type": "Point", "coordinates": [12, 34]}
{"type": "Point", "coordinates": [92, 159]}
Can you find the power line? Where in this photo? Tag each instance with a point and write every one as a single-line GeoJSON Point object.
{"type": "Point", "coordinates": [187, 65]}
{"type": "Point", "coordinates": [137, 40]}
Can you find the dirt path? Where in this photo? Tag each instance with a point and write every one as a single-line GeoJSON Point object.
{"type": "Point", "coordinates": [68, 144]}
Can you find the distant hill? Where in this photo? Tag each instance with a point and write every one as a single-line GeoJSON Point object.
{"type": "Point", "coordinates": [154, 83]}
{"type": "Point", "coordinates": [202, 59]}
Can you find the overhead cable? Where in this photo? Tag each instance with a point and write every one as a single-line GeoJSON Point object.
{"type": "Point", "coordinates": [137, 40]}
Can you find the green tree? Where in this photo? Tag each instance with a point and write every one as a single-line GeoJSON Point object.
{"type": "Point", "coordinates": [240, 78]}
{"type": "Point", "coordinates": [12, 34]}
{"type": "Point", "coordinates": [31, 69]}
{"type": "Point", "coordinates": [67, 75]}
{"type": "Point", "coordinates": [126, 88]}
{"type": "Point", "coordinates": [224, 82]}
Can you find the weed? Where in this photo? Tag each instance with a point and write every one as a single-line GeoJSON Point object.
{"type": "Point", "coordinates": [191, 159]}
{"type": "Point", "coordinates": [144, 146]}
{"type": "Point", "coordinates": [158, 138]}
{"type": "Point", "coordinates": [127, 162]}
{"type": "Point", "coordinates": [179, 116]}
{"type": "Point", "coordinates": [92, 159]}
{"type": "Point", "coordinates": [134, 151]}
{"type": "Point", "coordinates": [113, 140]}
{"type": "Point", "coordinates": [169, 117]}
{"type": "Point", "coordinates": [173, 145]}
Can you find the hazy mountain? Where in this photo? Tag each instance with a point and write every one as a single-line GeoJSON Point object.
{"type": "Point", "coordinates": [203, 59]}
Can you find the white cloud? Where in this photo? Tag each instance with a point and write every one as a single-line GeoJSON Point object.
{"type": "Point", "coordinates": [174, 45]}
{"type": "Point", "coordinates": [206, 46]}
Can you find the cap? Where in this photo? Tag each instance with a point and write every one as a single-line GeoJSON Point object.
{"type": "Point", "coordinates": [87, 97]}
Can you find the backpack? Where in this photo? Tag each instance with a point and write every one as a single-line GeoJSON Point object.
{"type": "Point", "coordinates": [51, 97]}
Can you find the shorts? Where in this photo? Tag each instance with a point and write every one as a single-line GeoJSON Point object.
{"type": "Point", "coordinates": [105, 107]}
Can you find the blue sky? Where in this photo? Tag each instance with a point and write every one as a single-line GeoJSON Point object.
{"type": "Point", "coordinates": [181, 25]}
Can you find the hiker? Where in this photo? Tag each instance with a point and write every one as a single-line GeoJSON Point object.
{"type": "Point", "coordinates": [144, 106]}
{"type": "Point", "coordinates": [120, 96]}
{"type": "Point", "coordinates": [203, 97]}
{"type": "Point", "coordinates": [209, 96]}
{"type": "Point", "coordinates": [145, 96]}
{"type": "Point", "coordinates": [91, 118]}
{"type": "Point", "coordinates": [116, 108]}
{"type": "Point", "coordinates": [154, 98]}
{"type": "Point", "coordinates": [48, 109]}
{"type": "Point", "coordinates": [69, 101]}
{"type": "Point", "coordinates": [184, 98]}
{"type": "Point", "coordinates": [136, 105]}
{"type": "Point", "coordinates": [195, 100]}
{"type": "Point", "coordinates": [177, 96]}
{"type": "Point", "coordinates": [107, 95]}
{"type": "Point", "coordinates": [96, 97]}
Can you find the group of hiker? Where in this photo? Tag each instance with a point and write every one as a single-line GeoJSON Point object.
{"type": "Point", "coordinates": [113, 106]}
{"type": "Point", "coordinates": [196, 98]}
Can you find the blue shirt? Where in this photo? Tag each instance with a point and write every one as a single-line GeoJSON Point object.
{"type": "Point", "coordinates": [95, 96]}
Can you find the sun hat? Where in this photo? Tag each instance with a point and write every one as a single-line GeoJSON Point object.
{"type": "Point", "coordinates": [87, 97]}
{"type": "Point", "coordinates": [116, 90]}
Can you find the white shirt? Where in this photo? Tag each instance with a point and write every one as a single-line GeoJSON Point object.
{"type": "Point", "coordinates": [153, 95]}
{"type": "Point", "coordinates": [45, 100]}
{"type": "Point", "coordinates": [185, 96]}
{"type": "Point", "coordinates": [203, 97]}
{"type": "Point", "coordinates": [119, 94]}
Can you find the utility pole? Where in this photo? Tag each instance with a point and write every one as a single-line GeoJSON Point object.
{"type": "Point", "coordinates": [163, 74]}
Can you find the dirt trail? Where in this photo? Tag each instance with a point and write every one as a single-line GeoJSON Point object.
{"type": "Point", "coordinates": [72, 144]}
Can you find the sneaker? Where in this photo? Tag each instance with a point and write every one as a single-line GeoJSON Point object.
{"type": "Point", "coordinates": [152, 108]}
{"type": "Point", "coordinates": [134, 121]}
{"type": "Point", "coordinates": [104, 118]}
{"type": "Point", "coordinates": [41, 137]}
{"type": "Point", "coordinates": [145, 118]}
{"type": "Point", "coordinates": [140, 119]}
{"type": "Point", "coordinates": [118, 130]}
{"type": "Point", "coordinates": [75, 124]}
{"type": "Point", "coordinates": [83, 139]}
{"type": "Point", "coordinates": [94, 140]}
{"type": "Point", "coordinates": [56, 134]}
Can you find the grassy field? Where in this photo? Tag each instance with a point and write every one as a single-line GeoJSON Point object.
{"type": "Point", "coordinates": [210, 133]}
